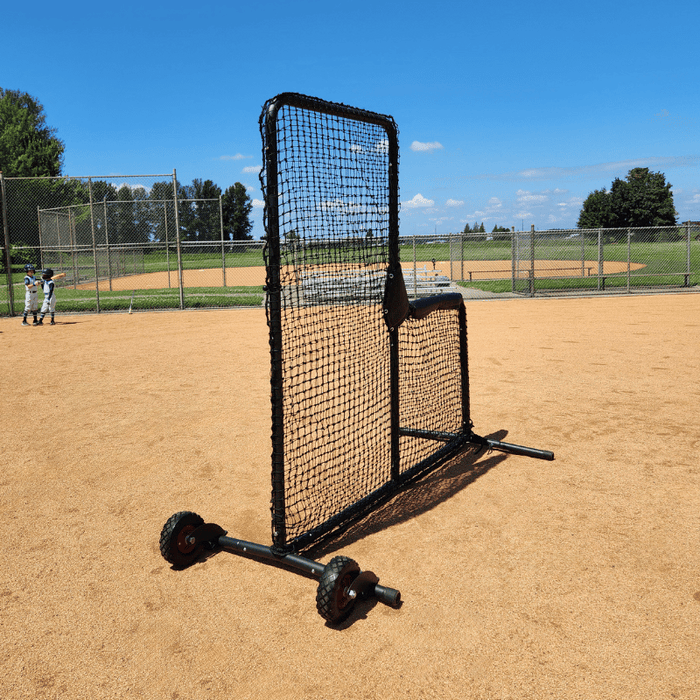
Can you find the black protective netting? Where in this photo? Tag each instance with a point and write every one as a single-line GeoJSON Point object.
{"type": "Point", "coordinates": [430, 391]}
{"type": "Point", "coordinates": [331, 216]}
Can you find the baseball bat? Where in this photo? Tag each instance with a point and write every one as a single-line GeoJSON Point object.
{"type": "Point", "coordinates": [58, 276]}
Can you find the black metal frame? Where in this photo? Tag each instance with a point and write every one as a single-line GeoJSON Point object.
{"type": "Point", "coordinates": [397, 309]}
{"type": "Point", "coordinates": [274, 292]}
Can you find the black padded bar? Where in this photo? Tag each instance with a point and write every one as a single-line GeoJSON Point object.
{"type": "Point", "coordinates": [420, 308]}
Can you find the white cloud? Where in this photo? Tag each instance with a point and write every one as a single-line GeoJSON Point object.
{"type": "Point", "coordinates": [574, 202]}
{"type": "Point", "coordinates": [425, 147]}
{"type": "Point", "coordinates": [238, 156]}
{"type": "Point", "coordinates": [525, 196]}
{"type": "Point", "coordinates": [418, 201]}
{"type": "Point", "coordinates": [454, 203]}
{"type": "Point", "coordinates": [620, 167]}
{"type": "Point", "coordinates": [258, 203]}
{"type": "Point", "coordinates": [251, 169]}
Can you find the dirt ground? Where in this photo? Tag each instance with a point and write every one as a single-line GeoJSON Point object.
{"type": "Point", "coordinates": [521, 579]}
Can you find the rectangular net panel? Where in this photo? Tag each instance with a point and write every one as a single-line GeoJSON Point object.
{"type": "Point", "coordinates": [328, 215]}
{"type": "Point", "coordinates": [349, 370]}
{"type": "Point", "coordinates": [430, 390]}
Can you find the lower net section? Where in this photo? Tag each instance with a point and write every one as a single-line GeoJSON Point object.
{"type": "Point", "coordinates": [430, 386]}
{"type": "Point", "coordinates": [336, 388]}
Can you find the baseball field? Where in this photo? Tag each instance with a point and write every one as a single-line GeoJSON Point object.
{"type": "Point", "coordinates": [520, 579]}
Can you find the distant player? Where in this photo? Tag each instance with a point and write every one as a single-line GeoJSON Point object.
{"type": "Point", "coordinates": [49, 296]}
{"type": "Point", "coordinates": [31, 296]}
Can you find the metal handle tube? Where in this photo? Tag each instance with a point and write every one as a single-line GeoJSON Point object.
{"type": "Point", "coordinates": [520, 450]}
{"type": "Point", "coordinates": [388, 596]}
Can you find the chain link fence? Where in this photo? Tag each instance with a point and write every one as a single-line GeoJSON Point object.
{"type": "Point", "coordinates": [129, 243]}
{"type": "Point", "coordinates": [123, 243]}
{"type": "Point", "coordinates": [561, 262]}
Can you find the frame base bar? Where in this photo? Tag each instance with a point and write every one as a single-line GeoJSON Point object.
{"type": "Point", "coordinates": [474, 439]}
{"type": "Point", "coordinates": [364, 586]}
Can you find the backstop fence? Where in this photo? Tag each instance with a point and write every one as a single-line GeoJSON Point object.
{"type": "Point", "coordinates": [129, 242]}
{"type": "Point", "coordinates": [123, 243]}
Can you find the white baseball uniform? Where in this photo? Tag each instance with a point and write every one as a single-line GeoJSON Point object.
{"type": "Point", "coordinates": [49, 298]}
{"type": "Point", "coordinates": [31, 296]}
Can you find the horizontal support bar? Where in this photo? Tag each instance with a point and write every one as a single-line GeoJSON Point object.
{"type": "Point", "coordinates": [366, 583]}
{"type": "Point", "coordinates": [438, 435]}
{"type": "Point", "coordinates": [519, 450]}
{"type": "Point", "coordinates": [474, 439]}
{"type": "Point", "coordinates": [264, 552]}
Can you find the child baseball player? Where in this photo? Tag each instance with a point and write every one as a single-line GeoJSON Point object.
{"type": "Point", "coordinates": [31, 297]}
{"type": "Point", "coordinates": [49, 296]}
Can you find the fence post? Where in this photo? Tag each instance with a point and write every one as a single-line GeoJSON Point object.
{"type": "Point", "coordinates": [601, 262]}
{"type": "Point", "coordinates": [94, 249]}
{"type": "Point", "coordinates": [415, 273]}
{"type": "Point", "coordinates": [450, 244]}
{"type": "Point", "coordinates": [629, 258]}
{"type": "Point", "coordinates": [687, 253]}
{"type": "Point", "coordinates": [74, 247]}
{"type": "Point", "coordinates": [167, 242]}
{"type": "Point", "coordinates": [223, 248]}
{"type": "Point", "coordinates": [513, 256]}
{"type": "Point", "coordinates": [532, 260]}
{"type": "Point", "coordinates": [8, 255]}
{"type": "Point", "coordinates": [109, 253]}
{"type": "Point", "coordinates": [177, 240]}
{"type": "Point", "coordinates": [41, 247]}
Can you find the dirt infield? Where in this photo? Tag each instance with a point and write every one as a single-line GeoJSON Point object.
{"type": "Point", "coordinates": [521, 579]}
{"type": "Point", "coordinates": [470, 269]}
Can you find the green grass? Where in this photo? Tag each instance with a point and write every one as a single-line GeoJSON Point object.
{"type": "Point", "coordinates": [77, 300]}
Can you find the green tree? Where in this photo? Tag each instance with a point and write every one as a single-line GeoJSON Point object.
{"type": "Point", "coordinates": [28, 147]}
{"type": "Point", "coordinates": [162, 212]}
{"type": "Point", "coordinates": [642, 199]}
{"type": "Point", "coordinates": [237, 207]}
{"type": "Point", "coordinates": [199, 211]}
{"type": "Point", "coordinates": [596, 211]}
{"type": "Point", "coordinates": [125, 228]}
{"type": "Point", "coordinates": [207, 211]}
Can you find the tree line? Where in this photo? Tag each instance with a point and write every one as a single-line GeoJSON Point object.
{"type": "Point", "coordinates": [642, 199]}
{"type": "Point", "coordinates": [29, 148]}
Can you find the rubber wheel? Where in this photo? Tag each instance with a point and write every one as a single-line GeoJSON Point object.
{"type": "Point", "coordinates": [332, 601]}
{"type": "Point", "coordinates": [173, 539]}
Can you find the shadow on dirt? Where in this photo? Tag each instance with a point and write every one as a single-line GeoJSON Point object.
{"type": "Point", "coordinates": [416, 499]}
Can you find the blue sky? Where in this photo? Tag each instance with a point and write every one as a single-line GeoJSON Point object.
{"type": "Point", "coordinates": [509, 113]}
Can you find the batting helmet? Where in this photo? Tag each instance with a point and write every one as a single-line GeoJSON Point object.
{"type": "Point", "coordinates": [28, 267]}
{"type": "Point", "coordinates": [48, 273]}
